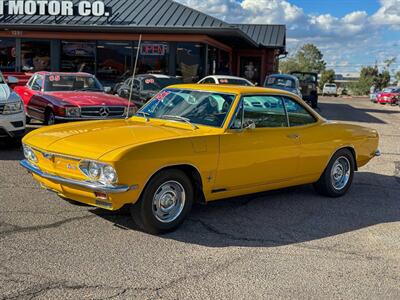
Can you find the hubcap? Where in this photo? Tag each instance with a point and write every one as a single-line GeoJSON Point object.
{"type": "Point", "coordinates": [340, 173]}
{"type": "Point", "coordinates": [169, 201]}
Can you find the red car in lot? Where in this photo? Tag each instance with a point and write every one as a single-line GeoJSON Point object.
{"type": "Point", "coordinates": [51, 97]}
{"type": "Point", "coordinates": [388, 95]}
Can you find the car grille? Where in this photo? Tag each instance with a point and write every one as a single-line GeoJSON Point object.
{"type": "Point", "coordinates": [1, 108]}
{"type": "Point", "coordinates": [102, 111]}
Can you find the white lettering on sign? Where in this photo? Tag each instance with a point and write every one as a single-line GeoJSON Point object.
{"type": "Point", "coordinates": [54, 8]}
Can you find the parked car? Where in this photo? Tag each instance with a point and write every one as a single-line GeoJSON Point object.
{"type": "Point", "coordinates": [198, 143]}
{"type": "Point", "coordinates": [145, 86]}
{"type": "Point", "coordinates": [51, 97]}
{"type": "Point", "coordinates": [388, 95]}
{"type": "Point", "coordinates": [285, 82]}
{"type": "Point", "coordinates": [330, 89]}
{"type": "Point", "coordinates": [225, 79]}
{"type": "Point", "coordinates": [309, 86]}
{"type": "Point", "coordinates": [373, 96]}
{"type": "Point", "coordinates": [12, 116]}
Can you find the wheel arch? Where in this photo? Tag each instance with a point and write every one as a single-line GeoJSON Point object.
{"type": "Point", "coordinates": [352, 151]}
{"type": "Point", "coordinates": [192, 173]}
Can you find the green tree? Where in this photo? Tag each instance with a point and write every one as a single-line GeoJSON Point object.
{"type": "Point", "coordinates": [327, 76]}
{"type": "Point", "coordinates": [397, 76]}
{"type": "Point", "coordinates": [383, 79]}
{"type": "Point", "coordinates": [308, 59]}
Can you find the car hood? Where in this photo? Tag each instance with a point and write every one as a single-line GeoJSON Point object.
{"type": "Point", "coordinates": [93, 139]}
{"type": "Point", "coordinates": [88, 98]}
{"type": "Point", "coordinates": [5, 92]}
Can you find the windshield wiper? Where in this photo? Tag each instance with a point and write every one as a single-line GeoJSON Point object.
{"type": "Point", "coordinates": [144, 114]}
{"type": "Point", "coordinates": [179, 118]}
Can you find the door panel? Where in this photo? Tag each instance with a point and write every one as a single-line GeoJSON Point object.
{"type": "Point", "coordinates": [257, 156]}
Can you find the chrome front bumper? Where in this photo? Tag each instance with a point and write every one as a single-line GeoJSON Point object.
{"type": "Point", "coordinates": [97, 187]}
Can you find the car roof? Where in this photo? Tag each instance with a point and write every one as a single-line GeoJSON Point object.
{"type": "Point", "coordinates": [230, 89]}
{"type": "Point", "coordinates": [225, 77]}
{"type": "Point", "coordinates": [154, 76]}
{"type": "Point", "coordinates": [63, 73]}
{"type": "Point", "coordinates": [288, 76]}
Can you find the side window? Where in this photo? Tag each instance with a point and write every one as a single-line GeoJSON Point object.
{"type": "Point", "coordinates": [208, 81]}
{"type": "Point", "coordinates": [37, 83]}
{"type": "Point", "coordinates": [298, 115]}
{"type": "Point", "coordinates": [261, 111]}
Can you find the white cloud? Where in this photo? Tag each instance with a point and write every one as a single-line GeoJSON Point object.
{"type": "Point", "coordinates": [388, 13]}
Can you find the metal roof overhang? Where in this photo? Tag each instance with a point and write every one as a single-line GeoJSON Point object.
{"type": "Point", "coordinates": [232, 36]}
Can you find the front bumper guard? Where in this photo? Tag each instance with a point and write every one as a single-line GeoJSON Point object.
{"type": "Point", "coordinates": [94, 186]}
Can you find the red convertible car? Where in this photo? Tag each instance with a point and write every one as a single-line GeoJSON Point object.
{"type": "Point", "coordinates": [388, 95]}
{"type": "Point", "coordinates": [52, 97]}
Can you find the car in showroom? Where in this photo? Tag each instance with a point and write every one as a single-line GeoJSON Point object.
{"type": "Point", "coordinates": [225, 79]}
{"type": "Point", "coordinates": [389, 95]}
{"type": "Point", "coordinates": [330, 89]}
{"type": "Point", "coordinates": [12, 115]}
{"type": "Point", "coordinates": [51, 97]}
{"type": "Point", "coordinates": [197, 143]}
{"type": "Point", "coordinates": [309, 86]}
{"type": "Point", "coordinates": [285, 82]}
{"type": "Point", "coordinates": [145, 86]}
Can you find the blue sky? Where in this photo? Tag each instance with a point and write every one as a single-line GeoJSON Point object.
{"type": "Point", "coordinates": [350, 33]}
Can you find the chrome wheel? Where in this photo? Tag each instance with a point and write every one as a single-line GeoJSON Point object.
{"type": "Point", "coordinates": [340, 173]}
{"type": "Point", "coordinates": [169, 201]}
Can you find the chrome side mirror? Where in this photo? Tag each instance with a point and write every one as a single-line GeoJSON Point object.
{"type": "Point", "coordinates": [249, 125]}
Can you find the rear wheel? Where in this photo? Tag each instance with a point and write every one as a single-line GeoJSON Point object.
{"type": "Point", "coordinates": [165, 202]}
{"type": "Point", "coordinates": [338, 175]}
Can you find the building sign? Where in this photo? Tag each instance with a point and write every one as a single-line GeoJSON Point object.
{"type": "Point", "coordinates": [153, 49]}
{"type": "Point", "coordinates": [54, 8]}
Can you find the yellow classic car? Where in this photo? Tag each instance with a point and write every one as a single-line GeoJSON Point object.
{"type": "Point", "coordinates": [197, 143]}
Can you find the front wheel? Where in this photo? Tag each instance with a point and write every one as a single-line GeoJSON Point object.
{"type": "Point", "coordinates": [165, 202]}
{"type": "Point", "coordinates": [49, 118]}
{"type": "Point", "coordinates": [338, 175]}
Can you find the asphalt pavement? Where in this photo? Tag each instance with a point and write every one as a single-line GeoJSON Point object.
{"type": "Point", "coordinates": [290, 243]}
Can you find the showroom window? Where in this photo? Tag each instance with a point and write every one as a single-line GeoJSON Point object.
{"type": "Point", "coordinates": [7, 55]}
{"type": "Point", "coordinates": [189, 61]}
{"type": "Point", "coordinates": [153, 58]}
{"type": "Point", "coordinates": [114, 61]}
{"type": "Point", "coordinates": [78, 56]}
{"type": "Point", "coordinates": [35, 55]}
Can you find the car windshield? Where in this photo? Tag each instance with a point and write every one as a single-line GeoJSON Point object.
{"type": "Point", "coordinates": [280, 82]}
{"type": "Point", "coordinates": [60, 83]}
{"type": "Point", "coordinates": [196, 107]}
{"type": "Point", "coordinates": [234, 81]}
{"type": "Point", "coordinates": [157, 84]}
{"type": "Point", "coordinates": [330, 85]}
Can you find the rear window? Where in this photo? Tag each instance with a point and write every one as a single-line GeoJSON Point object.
{"type": "Point", "coordinates": [233, 81]}
{"type": "Point", "coordinates": [331, 85]}
{"type": "Point", "coordinates": [280, 81]}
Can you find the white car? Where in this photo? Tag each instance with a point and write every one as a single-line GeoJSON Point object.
{"type": "Point", "coordinates": [12, 114]}
{"type": "Point", "coordinates": [224, 79]}
{"type": "Point", "coordinates": [329, 89]}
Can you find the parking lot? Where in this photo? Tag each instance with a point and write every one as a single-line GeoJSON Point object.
{"type": "Point", "coordinates": [281, 244]}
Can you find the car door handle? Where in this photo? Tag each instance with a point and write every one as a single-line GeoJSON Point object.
{"type": "Point", "coordinates": [294, 136]}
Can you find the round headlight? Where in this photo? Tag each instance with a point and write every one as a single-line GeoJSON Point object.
{"type": "Point", "coordinates": [109, 175]}
{"type": "Point", "coordinates": [29, 154]}
{"type": "Point", "coordinates": [94, 170]}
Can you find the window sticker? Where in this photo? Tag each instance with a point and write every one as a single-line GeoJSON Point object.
{"type": "Point", "coordinates": [149, 81]}
{"type": "Point", "coordinates": [161, 95]}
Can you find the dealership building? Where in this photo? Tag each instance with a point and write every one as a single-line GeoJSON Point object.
{"type": "Point", "coordinates": [103, 38]}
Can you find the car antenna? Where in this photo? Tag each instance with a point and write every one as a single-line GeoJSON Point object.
{"type": "Point", "coordinates": [133, 76]}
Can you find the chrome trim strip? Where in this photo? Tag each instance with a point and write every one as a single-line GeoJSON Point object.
{"type": "Point", "coordinates": [85, 184]}
{"type": "Point", "coordinates": [89, 118]}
